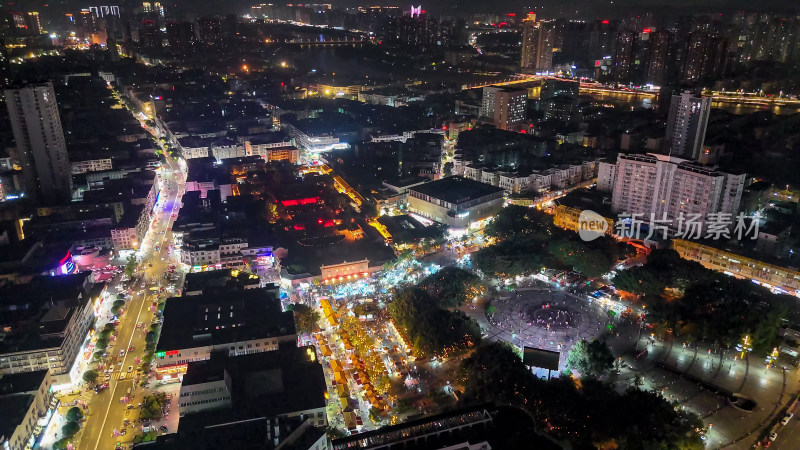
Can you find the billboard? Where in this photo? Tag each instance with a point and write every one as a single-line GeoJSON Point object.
{"type": "Point", "coordinates": [537, 357]}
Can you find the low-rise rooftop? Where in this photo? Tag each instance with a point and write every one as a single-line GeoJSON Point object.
{"type": "Point", "coordinates": [456, 189]}
{"type": "Point", "coordinates": [223, 317]}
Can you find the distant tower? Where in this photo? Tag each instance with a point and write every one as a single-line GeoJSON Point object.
{"type": "Point", "coordinates": [41, 148]}
{"type": "Point", "coordinates": [623, 55]}
{"type": "Point", "coordinates": [537, 45]}
{"type": "Point", "coordinates": [660, 56]}
{"type": "Point", "coordinates": [686, 127]}
{"type": "Point", "coordinates": [416, 11]}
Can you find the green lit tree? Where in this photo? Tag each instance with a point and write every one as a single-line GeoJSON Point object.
{"type": "Point", "coordinates": [305, 317]}
{"type": "Point", "coordinates": [590, 358]}
{"type": "Point", "coordinates": [90, 376]}
{"type": "Point", "coordinates": [74, 414]}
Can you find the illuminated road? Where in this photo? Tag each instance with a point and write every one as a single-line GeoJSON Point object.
{"type": "Point", "coordinates": [106, 412]}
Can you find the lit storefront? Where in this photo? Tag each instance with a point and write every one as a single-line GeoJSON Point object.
{"type": "Point", "coordinates": [344, 272]}
{"type": "Point", "coordinates": [170, 374]}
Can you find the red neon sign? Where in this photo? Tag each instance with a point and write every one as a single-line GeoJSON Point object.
{"type": "Point", "coordinates": [171, 352]}
{"type": "Point", "coordinates": [301, 201]}
{"type": "Point", "coordinates": [65, 259]}
{"type": "Point", "coordinates": [647, 30]}
{"type": "Point", "coordinates": [605, 22]}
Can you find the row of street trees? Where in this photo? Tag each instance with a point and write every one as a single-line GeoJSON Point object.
{"type": "Point", "coordinates": [73, 424]}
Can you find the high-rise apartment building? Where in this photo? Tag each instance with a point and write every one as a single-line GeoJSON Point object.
{"type": "Point", "coordinates": [487, 102]}
{"type": "Point", "coordinates": [686, 126]}
{"type": "Point", "coordinates": [507, 107]}
{"type": "Point", "coordinates": [150, 34]}
{"type": "Point", "coordinates": [537, 45]}
{"type": "Point", "coordinates": [41, 148]}
{"type": "Point", "coordinates": [209, 31]}
{"type": "Point", "coordinates": [180, 35]}
{"type": "Point", "coordinates": [659, 57]}
{"type": "Point", "coordinates": [34, 24]}
{"type": "Point", "coordinates": [705, 56]}
{"type": "Point", "coordinates": [623, 55]}
{"type": "Point", "coordinates": [669, 187]}
{"type": "Point", "coordinates": [510, 108]}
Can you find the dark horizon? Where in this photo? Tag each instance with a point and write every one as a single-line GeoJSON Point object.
{"type": "Point", "coordinates": [580, 9]}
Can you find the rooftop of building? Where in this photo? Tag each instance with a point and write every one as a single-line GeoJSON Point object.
{"type": "Point", "coordinates": [121, 190]}
{"type": "Point", "coordinates": [21, 383]}
{"type": "Point", "coordinates": [12, 412]}
{"type": "Point", "coordinates": [240, 315]}
{"type": "Point", "coordinates": [195, 141]}
{"type": "Point", "coordinates": [131, 216]}
{"type": "Point", "coordinates": [208, 432]}
{"type": "Point", "coordinates": [599, 202]}
{"type": "Point", "coordinates": [417, 428]}
{"type": "Point", "coordinates": [214, 280]}
{"type": "Point", "coordinates": [405, 183]}
{"type": "Point", "coordinates": [456, 189]}
{"type": "Point", "coordinates": [255, 159]}
{"type": "Point", "coordinates": [268, 138]}
{"type": "Point", "coordinates": [202, 170]}
{"type": "Point", "coordinates": [268, 383]}
{"type": "Point", "coordinates": [38, 312]}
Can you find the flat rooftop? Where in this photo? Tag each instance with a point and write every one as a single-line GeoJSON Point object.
{"type": "Point", "coordinates": [223, 317]}
{"type": "Point", "coordinates": [226, 279]}
{"type": "Point", "coordinates": [262, 384]}
{"type": "Point", "coordinates": [386, 437]}
{"type": "Point", "coordinates": [21, 383]}
{"type": "Point", "coordinates": [12, 412]}
{"type": "Point", "coordinates": [599, 202]}
{"type": "Point", "coordinates": [38, 312]}
{"type": "Point", "coordinates": [456, 189]}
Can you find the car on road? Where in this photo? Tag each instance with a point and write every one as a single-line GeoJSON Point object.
{"type": "Point", "coordinates": [122, 352]}
{"type": "Point", "coordinates": [130, 349]}
{"type": "Point", "coordinates": [787, 418]}
{"type": "Point", "coordinates": [130, 369]}
{"type": "Point", "coordinates": [163, 429]}
{"type": "Point", "coordinates": [773, 436]}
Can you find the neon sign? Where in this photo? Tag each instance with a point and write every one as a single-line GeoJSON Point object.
{"type": "Point", "coordinates": [416, 11]}
{"type": "Point", "coordinates": [66, 266]}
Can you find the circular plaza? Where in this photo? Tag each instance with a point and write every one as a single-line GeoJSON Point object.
{"type": "Point", "coordinates": [543, 318]}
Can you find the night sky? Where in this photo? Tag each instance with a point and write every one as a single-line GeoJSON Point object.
{"type": "Point", "coordinates": [545, 8]}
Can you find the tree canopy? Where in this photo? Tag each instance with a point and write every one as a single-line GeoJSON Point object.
{"type": "Point", "coordinates": [90, 375]}
{"type": "Point", "coordinates": [74, 414]}
{"type": "Point", "coordinates": [431, 330]}
{"type": "Point", "coordinates": [590, 358]}
{"type": "Point", "coordinates": [151, 406]}
{"type": "Point", "coordinates": [703, 304]}
{"type": "Point", "coordinates": [580, 415]}
{"type": "Point", "coordinates": [529, 241]}
{"type": "Point", "coordinates": [305, 317]}
{"type": "Point", "coordinates": [70, 429]}
{"type": "Point", "coordinates": [452, 286]}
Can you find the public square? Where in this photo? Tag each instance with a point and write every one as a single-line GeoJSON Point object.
{"type": "Point", "coordinates": [545, 318]}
